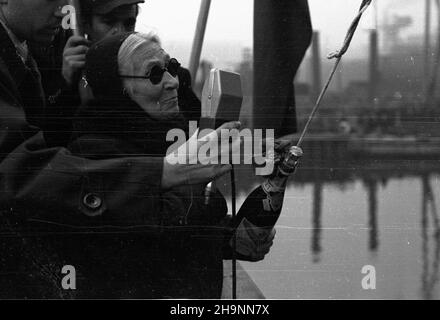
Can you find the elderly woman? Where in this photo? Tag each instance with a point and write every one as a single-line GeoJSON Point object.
{"type": "Point", "coordinates": [179, 251]}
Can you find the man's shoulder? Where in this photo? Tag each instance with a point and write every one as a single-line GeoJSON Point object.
{"type": "Point", "coordinates": [184, 76]}
{"type": "Point", "coordinates": [184, 72]}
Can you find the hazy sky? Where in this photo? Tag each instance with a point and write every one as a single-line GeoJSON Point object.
{"type": "Point", "coordinates": [231, 20]}
{"type": "Point", "coordinates": [231, 23]}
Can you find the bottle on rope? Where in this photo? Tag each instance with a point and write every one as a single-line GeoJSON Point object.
{"type": "Point", "coordinates": [263, 206]}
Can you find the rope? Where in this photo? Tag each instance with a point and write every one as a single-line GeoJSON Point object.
{"type": "Point", "coordinates": [338, 56]}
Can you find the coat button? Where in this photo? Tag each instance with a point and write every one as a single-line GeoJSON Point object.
{"type": "Point", "coordinates": [92, 201]}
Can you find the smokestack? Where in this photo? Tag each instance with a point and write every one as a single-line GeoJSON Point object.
{"type": "Point", "coordinates": [427, 42]}
{"type": "Point", "coordinates": [372, 214]}
{"type": "Point", "coordinates": [374, 62]}
{"type": "Point", "coordinates": [316, 65]}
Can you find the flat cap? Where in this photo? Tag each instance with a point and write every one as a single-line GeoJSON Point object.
{"type": "Point", "coordinates": [105, 6]}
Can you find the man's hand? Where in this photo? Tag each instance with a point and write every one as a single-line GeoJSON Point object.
{"type": "Point", "coordinates": [253, 243]}
{"type": "Point", "coordinates": [74, 58]}
{"type": "Point", "coordinates": [190, 174]}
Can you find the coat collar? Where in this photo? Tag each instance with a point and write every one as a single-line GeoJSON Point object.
{"type": "Point", "coordinates": [127, 121]}
{"type": "Point", "coordinates": [13, 61]}
{"type": "Point", "coordinates": [21, 46]}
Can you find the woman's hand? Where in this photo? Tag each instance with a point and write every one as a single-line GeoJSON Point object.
{"type": "Point", "coordinates": [74, 58]}
{"type": "Point", "coordinates": [177, 174]}
{"type": "Point", "coordinates": [253, 243]}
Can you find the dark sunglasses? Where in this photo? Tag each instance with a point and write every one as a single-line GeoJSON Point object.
{"type": "Point", "coordinates": [156, 73]}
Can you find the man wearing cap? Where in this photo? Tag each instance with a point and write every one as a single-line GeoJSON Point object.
{"type": "Point", "coordinates": [62, 63]}
{"type": "Point", "coordinates": [100, 19]}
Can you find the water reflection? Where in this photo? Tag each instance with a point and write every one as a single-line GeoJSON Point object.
{"type": "Point", "coordinates": [342, 189]}
{"type": "Point", "coordinates": [317, 212]}
{"type": "Point", "coordinates": [372, 214]}
{"type": "Point", "coordinates": [373, 244]}
{"type": "Point", "coordinates": [430, 258]}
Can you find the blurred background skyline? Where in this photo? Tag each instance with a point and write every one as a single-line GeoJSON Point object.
{"type": "Point", "coordinates": [228, 44]}
{"type": "Point", "coordinates": [231, 22]}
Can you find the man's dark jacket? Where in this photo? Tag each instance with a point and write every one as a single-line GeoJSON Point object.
{"type": "Point", "coordinates": [48, 191]}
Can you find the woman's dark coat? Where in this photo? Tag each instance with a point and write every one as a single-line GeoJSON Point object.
{"type": "Point", "coordinates": [184, 258]}
{"type": "Point", "coordinates": [42, 190]}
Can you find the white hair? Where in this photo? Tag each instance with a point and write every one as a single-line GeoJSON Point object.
{"type": "Point", "coordinates": [138, 44]}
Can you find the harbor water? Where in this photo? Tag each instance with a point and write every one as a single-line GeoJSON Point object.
{"type": "Point", "coordinates": [340, 216]}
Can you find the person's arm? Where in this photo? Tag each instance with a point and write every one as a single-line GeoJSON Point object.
{"type": "Point", "coordinates": [62, 99]}
{"type": "Point", "coordinates": [74, 59]}
{"type": "Point", "coordinates": [52, 185]}
{"type": "Point", "coordinates": [61, 67]}
{"type": "Point", "coordinates": [67, 96]}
